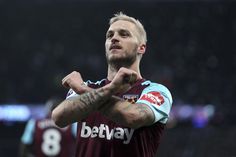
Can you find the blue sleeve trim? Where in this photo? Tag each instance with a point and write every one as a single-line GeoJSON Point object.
{"type": "Point", "coordinates": [27, 137]}
{"type": "Point", "coordinates": [161, 110]}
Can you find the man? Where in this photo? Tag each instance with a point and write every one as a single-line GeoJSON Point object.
{"type": "Point", "coordinates": [124, 114]}
{"type": "Point", "coordinates": [42, 138]}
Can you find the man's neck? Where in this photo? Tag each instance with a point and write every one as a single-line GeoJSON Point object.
{"type": "Point", "coordinates": [112, 70]}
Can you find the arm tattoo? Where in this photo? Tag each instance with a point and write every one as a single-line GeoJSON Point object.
{"type": "Point", "coordinates": [144, 111]}
{"type": "Point", "coordinates": [94, 98]}
{"type": "Point", "coordinates": [85, 103]}
{"type": "Point", "coordinates": [123, 112]}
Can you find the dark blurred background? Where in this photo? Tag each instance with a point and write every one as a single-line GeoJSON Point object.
{"type": "Point", "coordinates": [191, 50]}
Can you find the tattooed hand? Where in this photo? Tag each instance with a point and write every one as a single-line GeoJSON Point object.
{"type": "Point", "coordinates": [75, 82]}
{"type": "Point", "coordinates": [123, 80]}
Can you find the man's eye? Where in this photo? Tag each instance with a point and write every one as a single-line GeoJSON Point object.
{"type": "Point", "coordinates": [109, 35]}
{"type": "Point", "coordinates": [124, 34]}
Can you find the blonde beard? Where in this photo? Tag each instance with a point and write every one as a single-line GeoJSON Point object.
{"type": "Point", "coordinates": [122, 61]}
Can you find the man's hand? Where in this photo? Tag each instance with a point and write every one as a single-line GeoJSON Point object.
{"type": "Point", "coordinates": [75, 82]}
{"type": "Point", "coordinates": [123, 80]}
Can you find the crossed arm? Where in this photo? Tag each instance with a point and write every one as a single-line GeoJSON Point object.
{"type": "Point", "coordinates": [76, 108]}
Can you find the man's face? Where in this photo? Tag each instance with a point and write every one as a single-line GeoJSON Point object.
{"type": "Point", "coordinates": [122, 43]}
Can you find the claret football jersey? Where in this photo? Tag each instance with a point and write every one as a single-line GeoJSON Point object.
{"type": "Point", "coordinates": [100, 137]}
{"type": "Point", "coordinates": [46, 139]}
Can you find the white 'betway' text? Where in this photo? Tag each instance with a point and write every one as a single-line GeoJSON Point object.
{"type": "Point", "coordinates": [103, 131]}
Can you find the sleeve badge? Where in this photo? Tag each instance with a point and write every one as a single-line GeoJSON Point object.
{"type": "Point", "coordinates": [153, 98]}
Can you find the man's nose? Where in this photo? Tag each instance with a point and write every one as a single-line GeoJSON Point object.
{"type": "Point", "coordinates": [115, 38]}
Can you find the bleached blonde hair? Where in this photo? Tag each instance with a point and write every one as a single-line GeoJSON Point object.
{"type": "Point", "coordinates": [141, 31]}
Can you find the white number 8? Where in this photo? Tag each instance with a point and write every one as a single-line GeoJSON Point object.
{"type": "Point", "coordinates": [51, 142]}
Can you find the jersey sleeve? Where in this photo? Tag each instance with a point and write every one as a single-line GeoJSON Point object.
{"type": "Point", "coordinates": [71, 94]}
{"type": "Point", "coordinates": [74, 129]}
{"type": "Point", "coordinates": [159, 99]}
{"type": "Point", "coordinates": [27, 137]}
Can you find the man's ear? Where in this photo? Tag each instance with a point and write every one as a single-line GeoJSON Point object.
{"type": "Point", "coordinates": [142, 49]}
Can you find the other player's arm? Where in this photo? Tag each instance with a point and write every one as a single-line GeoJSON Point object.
{"type": "Point", "coordinates": [27, 140]}
{"type": "Point", "coordinates": [24, 151]}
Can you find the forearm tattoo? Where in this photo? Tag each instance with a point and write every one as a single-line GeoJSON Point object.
{"type": "Point", "coordinates": [94, 98]}
{"type": "Point", "coordinates": [144, 112]}
{"type": "Point", "coordinates": [87, 102]}
{"type": "Point", "coordinates": [124, 111]}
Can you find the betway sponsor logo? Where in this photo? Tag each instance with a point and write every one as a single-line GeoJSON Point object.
{"type": "Point", "coordinates": [103, 131]}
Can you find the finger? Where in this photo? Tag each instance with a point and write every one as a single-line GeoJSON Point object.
{"type": "Point", "coordinates": [65, 81]}
{"type": "Point", "coordinates": [64, 78]}
{"type": "Point", "coordinates": [65, 84]}
{"type": "Point", "coordinates": [133, 78]}
{"type": "Point", "coordinates": [130, 78]}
